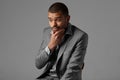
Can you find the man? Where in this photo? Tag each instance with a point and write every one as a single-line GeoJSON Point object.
{"type": "Point", "coordinates": [63, 47]}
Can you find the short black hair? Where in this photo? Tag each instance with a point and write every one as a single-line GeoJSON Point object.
{"type": "Point", "coordinates": [58, 6]}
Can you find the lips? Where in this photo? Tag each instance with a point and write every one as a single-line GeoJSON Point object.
{"type": "Point", "coordinates": [54, 29]}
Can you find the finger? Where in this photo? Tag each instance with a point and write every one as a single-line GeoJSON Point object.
{"type": "Point", "coordinates": [60, 32]}
{"type": "Point", "coordinates": [56, 37]}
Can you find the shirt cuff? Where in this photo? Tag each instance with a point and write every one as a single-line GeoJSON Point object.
{"type": "Point", "coordinates": [47, 50]}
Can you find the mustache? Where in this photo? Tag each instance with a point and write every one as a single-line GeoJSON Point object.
{"type": "Point", "coordinates": [57, 27]}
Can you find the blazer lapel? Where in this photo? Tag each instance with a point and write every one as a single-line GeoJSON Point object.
{"type": "Point", "coordinates": [62, 48]}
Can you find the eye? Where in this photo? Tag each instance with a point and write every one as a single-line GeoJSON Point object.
{"type": "Point", "coordinates": [50, 20]}
{"type": "Point", "coordinates": [59, 20]}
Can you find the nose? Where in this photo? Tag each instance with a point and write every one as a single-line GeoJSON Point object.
{"type": "Point", "coordinates": [54, 24]}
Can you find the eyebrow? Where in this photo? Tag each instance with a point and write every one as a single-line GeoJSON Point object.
{"type": "Point", "coordinates": [55, 17]}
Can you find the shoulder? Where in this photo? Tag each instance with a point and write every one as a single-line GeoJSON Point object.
{"type": "Point", "coordinates": [78, 32]}
{"type": "Point", "coordinates": [46, 29]}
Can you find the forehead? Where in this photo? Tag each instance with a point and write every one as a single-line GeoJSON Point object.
{"type": "Point", "coordinates": [55, 15]}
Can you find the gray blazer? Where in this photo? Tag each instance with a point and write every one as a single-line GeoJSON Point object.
{"type": "Point", "coordinates": [70, 57]}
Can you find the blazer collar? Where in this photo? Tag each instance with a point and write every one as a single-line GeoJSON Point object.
{"type": "Point", "coordinates": [69, 30]}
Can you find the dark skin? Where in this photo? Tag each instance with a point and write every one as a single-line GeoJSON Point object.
{"type": "Point", "coordinates": [58, 23]}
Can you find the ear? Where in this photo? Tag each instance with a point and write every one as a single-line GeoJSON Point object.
{"type": "Point", "coordinates": [68, 18]}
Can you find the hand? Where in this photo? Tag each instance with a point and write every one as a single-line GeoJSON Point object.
{"type": "Point", "coordinates": [56, 38]}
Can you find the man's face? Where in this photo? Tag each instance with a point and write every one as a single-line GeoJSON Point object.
{"type": "Point", "coordinates": [57, 21]}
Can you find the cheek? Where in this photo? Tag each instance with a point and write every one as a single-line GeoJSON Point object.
{"type": "Point", "coordinates": [50, 23]}
{"type": "Point", "coordinates": [60, 24]}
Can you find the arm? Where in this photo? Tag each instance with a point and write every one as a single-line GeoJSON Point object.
{"type": "Point", "coordinates": [43, 55]}
{"type": "Point", "coordinates": [74, 67]}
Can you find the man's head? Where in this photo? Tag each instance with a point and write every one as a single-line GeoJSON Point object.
{"type": "Point", "coordinates": [58, 16]}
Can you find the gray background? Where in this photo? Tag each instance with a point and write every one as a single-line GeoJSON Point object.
{"type": "Point", "coordinates": [21, 25]}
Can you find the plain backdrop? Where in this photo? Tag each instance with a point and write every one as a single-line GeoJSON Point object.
{"type": "Point", "coordinates": [22, 23]}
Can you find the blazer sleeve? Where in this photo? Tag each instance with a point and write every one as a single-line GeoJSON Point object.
{"type": "Point", "coordinates": [74, 69]}
{"type": "Point", "coordinates": [42, 56]}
